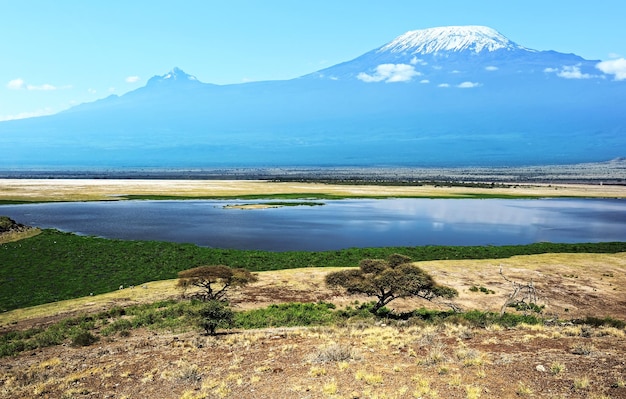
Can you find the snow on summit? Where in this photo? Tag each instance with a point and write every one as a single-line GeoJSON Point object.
{"type": "Point", "coordinates": [178, 73]}
{"type": "Point", "coordinates": [175, 75]}
{"type": "Point", "coordinates": [450, 38]}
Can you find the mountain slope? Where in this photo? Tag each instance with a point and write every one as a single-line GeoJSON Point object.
{"type": "Point", "coordinates": [437, 97]}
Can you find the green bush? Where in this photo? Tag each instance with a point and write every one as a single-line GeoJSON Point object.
{"type": "Point", "coordinates": [359, 311]}
{"type": "Point", "coordinates": [118, 326]}
{"type": "Point", "coordinates": [524, 307]}
{"type": "Point", "coordinates": [12, 348]}
{"type": "Point", "coordinates": [599, 322]}
{"type": "Point", "coordinates": [286, 315]}
{"type": "Point", "coordinates": [83, 338]}
{"type": "Point", "coordinates": [214, 314]}
{"type": "Point", "coordinates": [483, 319]}
{"type": "Point", "coordinates": [482, 289]}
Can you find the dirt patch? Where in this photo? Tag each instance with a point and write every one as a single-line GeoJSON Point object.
{"type": "Point", "coordinates": [354, 361]}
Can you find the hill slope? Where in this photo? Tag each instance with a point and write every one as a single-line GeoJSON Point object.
{"type": "Point", "coordinates": [362, 358]}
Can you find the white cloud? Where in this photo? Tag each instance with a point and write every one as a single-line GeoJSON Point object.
{"type": "Point", "coordinates": [468, 85]}
{"type": "Point", "coordinates": [16, 84]}
{"type": "Point", "coordinates": [91, 91]}
{"type": "Point", "coordinates": [572, 72]}
{"type": "Point", "coordinates": [491, 68]}
{"type": "Point", "coordinates": [614, 67]}
{"type": "Point", "coordinates": [132, 79]}
{"type": "Point", "coordinates": [443, 85]}
{"type": "Point", "coordinates": [424, 81]}
{"type": "Point", "coordinates": [614, 56]}
{"type": "Point", "coordinates": [24, 115]}
{"type": "Point", "coordinates": [19, 84]}
{"type": "Point", "coordinates": [390, 73]}
{"type": "Point", "coordinates": [415, 61]}
{"type": "Point", "coordinates": [43, 87]}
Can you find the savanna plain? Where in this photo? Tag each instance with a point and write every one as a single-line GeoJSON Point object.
{"type": "Point", "coordinates": [295, 337]}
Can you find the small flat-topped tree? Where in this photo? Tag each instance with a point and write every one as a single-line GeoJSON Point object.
{"type": "Point", "coordinates": [215, 281]}
{"type": "Point", "coordinates": [389, 279]}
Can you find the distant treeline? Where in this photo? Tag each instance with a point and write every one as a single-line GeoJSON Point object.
{"type": "Point", "coordinates": [54, 266]}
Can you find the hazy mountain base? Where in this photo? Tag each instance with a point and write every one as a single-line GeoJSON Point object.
{"type": "Point", "coordinates": [610, 172]}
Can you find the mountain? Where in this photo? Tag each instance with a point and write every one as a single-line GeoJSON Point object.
{"type": "Point", "coordinates": [448, 96]}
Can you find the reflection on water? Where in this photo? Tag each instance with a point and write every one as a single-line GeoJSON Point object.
{"type": "Point", "coordinates": [338, 224]}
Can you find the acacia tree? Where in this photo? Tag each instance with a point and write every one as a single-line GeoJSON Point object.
{"type": "Point", "coordinates": [214, 281]}
{"type": "Point", "coordinates": [389, 279]}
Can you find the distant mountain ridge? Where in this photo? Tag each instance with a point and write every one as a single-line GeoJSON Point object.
{"type": "Point", "coordinates": [448, 96]}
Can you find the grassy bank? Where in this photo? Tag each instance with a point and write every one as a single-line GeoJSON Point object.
{"type": "Point", "coordinates": [54, 266]}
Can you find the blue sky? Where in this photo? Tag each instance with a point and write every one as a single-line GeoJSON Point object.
{"type": "Point", "coordinates": [56, 54]}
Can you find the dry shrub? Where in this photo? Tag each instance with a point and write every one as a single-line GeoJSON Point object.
{"type": "Point", "coordinates": [436, 354]}
{"type": "Point", "coordinates": [334, 353]}
{"type": "Point", "coordinates": [583, 348]}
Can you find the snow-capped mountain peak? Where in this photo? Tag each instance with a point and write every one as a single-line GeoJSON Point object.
{"type": "Point", "coordinates": [175, 74]}
{"type": "Point", "coordinates": [178, 74]}
{"type": "Point", "coordinates": [450, 38]}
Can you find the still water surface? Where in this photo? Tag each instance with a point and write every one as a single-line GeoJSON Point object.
{"type": "Point", "coordinates": [338, 224]}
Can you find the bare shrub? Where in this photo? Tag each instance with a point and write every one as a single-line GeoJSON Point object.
{"type": "Point", "coordinates": [335, 353]}
{"type": "Point", "coordinates": [583, 349]}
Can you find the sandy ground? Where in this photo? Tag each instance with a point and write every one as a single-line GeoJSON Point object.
{"type": "Point", "coordinates": [96, 189]}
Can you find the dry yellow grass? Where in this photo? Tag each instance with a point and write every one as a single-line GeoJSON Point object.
{"type": "Point", "coordinates": [94, 189]}
{"type": "Point", "coordinates": [570, 285]}
{"type": "Point", "coordinates": [10, 236]}
{"type": "Point", "coordinates": [155, 291]}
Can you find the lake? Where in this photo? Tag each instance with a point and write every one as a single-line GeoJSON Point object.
{"type": "Point", "coordinates": [338, 223]}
